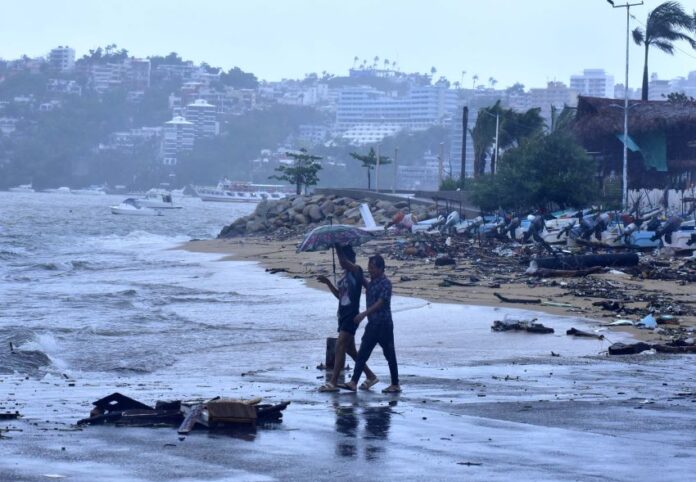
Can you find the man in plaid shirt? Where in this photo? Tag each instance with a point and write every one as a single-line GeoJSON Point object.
{"type": "Point", "coordinates": [380, 327]}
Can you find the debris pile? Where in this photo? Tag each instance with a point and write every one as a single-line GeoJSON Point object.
{"type": "Point", "coordinates": [214, 413]}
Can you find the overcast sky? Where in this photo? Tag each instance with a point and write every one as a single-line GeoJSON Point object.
{"type": "Point", "coordinates": [530, 41]}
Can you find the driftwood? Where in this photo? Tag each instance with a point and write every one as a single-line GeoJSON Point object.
{"type": "Point", "coordinates": [563, 273]}
{"type": "Point", "coordinates": [576, 332]}
{"type": "Point", "coordinates": [530, 326]}
{"type": "Point", "coordinates": [586, 261]}
{"type": "Point", "coordinates": [530, 301]}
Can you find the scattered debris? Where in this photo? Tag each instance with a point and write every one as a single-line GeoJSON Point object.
{"type": "Point", "coordinates": [530, 326]}
{"type": "Point", "coordinates": [576, 332]}
{"type": "Point", "coordinates": [517, 300]}
{"type": "Point", "coordinates": [213, 413]}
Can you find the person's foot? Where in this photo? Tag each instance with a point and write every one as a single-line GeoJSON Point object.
{"type": "Point", "coordinates": [392, 389]}
{"type": "Point", "coordinates": [350, 386]}
{"type": "Point", "coordinates": [328, 387]}
{"type": "Point", "coordinates": [369, 383]}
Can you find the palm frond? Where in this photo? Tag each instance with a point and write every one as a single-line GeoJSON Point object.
{"type": "Point", "coordinates": [664, 45]}
{"type": "Point", "coordinates": [638, 36]}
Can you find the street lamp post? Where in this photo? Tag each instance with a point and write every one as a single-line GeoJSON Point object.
{"type": "Point", "coordinates": [627, 6]}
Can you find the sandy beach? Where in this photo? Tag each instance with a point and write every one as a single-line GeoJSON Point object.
{"type": "Point", "coordinates": [420, 278]}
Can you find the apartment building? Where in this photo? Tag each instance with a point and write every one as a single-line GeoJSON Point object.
{"type": "Point", "coordinates": [593, 83]}
{"type": "Point", "coordinates": [62, 59]}
{"type": "Point", "coordinates": [421, 108]}
{"type": "Point", "coordinates": [178, 137]}
{"type": "Point", "coordinates": [204, 118]}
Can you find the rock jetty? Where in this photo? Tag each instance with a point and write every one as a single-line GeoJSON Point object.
{"type": "Point", "coordinates": [296, 214]}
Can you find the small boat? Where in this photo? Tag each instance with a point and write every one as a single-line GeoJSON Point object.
{"type": "Point", "coordinates": [131, 207]}
{"type": "Point", "coordinates": [22, 188]}
{"type": "Point", "coordinates": [59, 190]}
{"type": "Point", "coordinates": [91, 191]}
{"type": "Point", "coordinates": [158, 199]}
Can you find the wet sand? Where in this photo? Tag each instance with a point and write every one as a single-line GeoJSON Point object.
{"type": "Point", "coordinates": [468, 412]}
{"type": "Point", "coordinates": [477, 405]}
{"type": "Point", "coordinates": [420, 278]}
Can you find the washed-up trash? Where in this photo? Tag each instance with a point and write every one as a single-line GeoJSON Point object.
{"type": "Point", "coordinates": [621, 323]}
{"type": "Point", "coordinates": [212, 413]}
{"type": "Point", "coordinates": [648, 322]}
{"type": "Point", "coordinates": [588, 261]}
{"type": "Point", "coordinates": [530, 326]}
{"type": "Point", "coordinates": [667, 320]}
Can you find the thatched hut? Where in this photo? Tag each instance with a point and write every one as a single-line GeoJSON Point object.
{"type": "Point", "coordinates": [662, 140]}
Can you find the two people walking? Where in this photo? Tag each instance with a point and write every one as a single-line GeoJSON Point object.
{"type": "Point", "coordinates": [380, 326]}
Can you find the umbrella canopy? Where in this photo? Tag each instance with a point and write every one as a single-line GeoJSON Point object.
{"type": "Point", "coordinates": [324, 237]}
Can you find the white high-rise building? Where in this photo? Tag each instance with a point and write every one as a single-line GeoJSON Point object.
{"type": "Point", "coordinates": [593, 83]}
{"type": "Point", "coordinates": [178, 138]}
{"type": "Point", "coordinates": [421, 108]}
{"type": "Point", "coordinates": [203, 116]}
{"type": "Point", "coordinates": [62, 58]}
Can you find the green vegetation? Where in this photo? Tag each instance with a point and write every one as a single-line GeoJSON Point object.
{"type": "Point", "coordinates": [369, 162]}
{"type": "Point", "coordinates": [513, 128]}
{"type": "Point", "coordinates": [543, 171]}
{"type": "Point", "coordinates": [302, 173]}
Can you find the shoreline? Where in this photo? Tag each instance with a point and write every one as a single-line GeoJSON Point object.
{"type": "Point", "coordinates": [419, 278]}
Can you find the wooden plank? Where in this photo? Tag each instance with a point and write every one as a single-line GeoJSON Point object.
{"type": "Point", "coordinates": [191, 419]}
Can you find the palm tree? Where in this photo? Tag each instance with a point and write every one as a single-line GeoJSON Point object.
{"type": "Point", "coordinates": [355, 61]}
{"type": "Point", "coordinates": [665, 25]}
{"type": "Point", "coordinates": [376, 59]}
{"type": "Point", "coordinates": [474, 78]}
{"type": "Point", "coordinates": [369, 162]}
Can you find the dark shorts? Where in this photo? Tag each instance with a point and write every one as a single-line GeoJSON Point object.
{"type": "Point", "coordinates": [347, 324]}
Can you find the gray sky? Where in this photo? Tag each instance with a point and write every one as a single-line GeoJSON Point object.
{"type": "Point", "coordinates": [531, 41]}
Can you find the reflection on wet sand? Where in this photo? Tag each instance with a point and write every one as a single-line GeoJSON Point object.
{"type": "Point", "coordinates": [376, 429]}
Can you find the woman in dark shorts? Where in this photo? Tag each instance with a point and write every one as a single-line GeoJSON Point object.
{"type": "Point", "coordinates": [348, 293]}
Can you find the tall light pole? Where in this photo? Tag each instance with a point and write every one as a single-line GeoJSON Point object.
{"type": "Point", "coordinates": [627, 6]}
{"type": "Point", "coordinates": [396, 153]}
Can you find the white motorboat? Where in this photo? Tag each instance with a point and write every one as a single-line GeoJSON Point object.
{"type": "Point", "coordinates": [131, 207]}
{"type": "Point", "coordinates": [59, 190]}
{"type": "Point", "coordinates": [158, 199]}
{"type": "Point", "coordinates": [240, 192]}
{"type": "Point", "coordinates": [22, 188]}
{"type": "Point", "coordinates": [91, 191]}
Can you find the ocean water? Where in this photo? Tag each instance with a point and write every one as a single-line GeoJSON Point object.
{"type": "Point", "coordinates": [87, 291]}
{"type": "Point", "coordinates": [84, 291]}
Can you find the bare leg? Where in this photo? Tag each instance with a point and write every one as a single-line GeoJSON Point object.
{"type": "Point", "coordinates": [345, 339]}
{"type": "Point", "coordinates": [353, 352]}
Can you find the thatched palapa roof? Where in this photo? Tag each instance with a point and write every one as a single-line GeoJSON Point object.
{"type": "Point", "coordinates": [597, 117]}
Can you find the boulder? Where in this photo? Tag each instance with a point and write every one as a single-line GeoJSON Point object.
{"type": "Point", "coordinates": [315, 213]}
{"type": "Point", "coordinates": [352, 213]}
{"type": "Point", "coordinates": [298, 204]}
{"type": "Point", "coordinates": [327, 207]}
{"type": "Point", "coordinates": [401, 204]}
{"type": "Point", "coordinates": [255, 226]}
{"type": "Point", "coordinates": [300, 219]}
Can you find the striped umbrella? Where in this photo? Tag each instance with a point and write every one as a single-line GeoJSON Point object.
{"type": "Point", "coordinates": [324, 237]}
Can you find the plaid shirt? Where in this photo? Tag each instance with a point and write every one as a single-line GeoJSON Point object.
{"type": "Point", "coordinates": [380, 288]}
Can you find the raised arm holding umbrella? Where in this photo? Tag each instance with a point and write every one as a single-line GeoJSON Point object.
{"type": "Point", "coordinates": [348, 289]}
{"type": "Point", "coordinates": [348, 294]}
